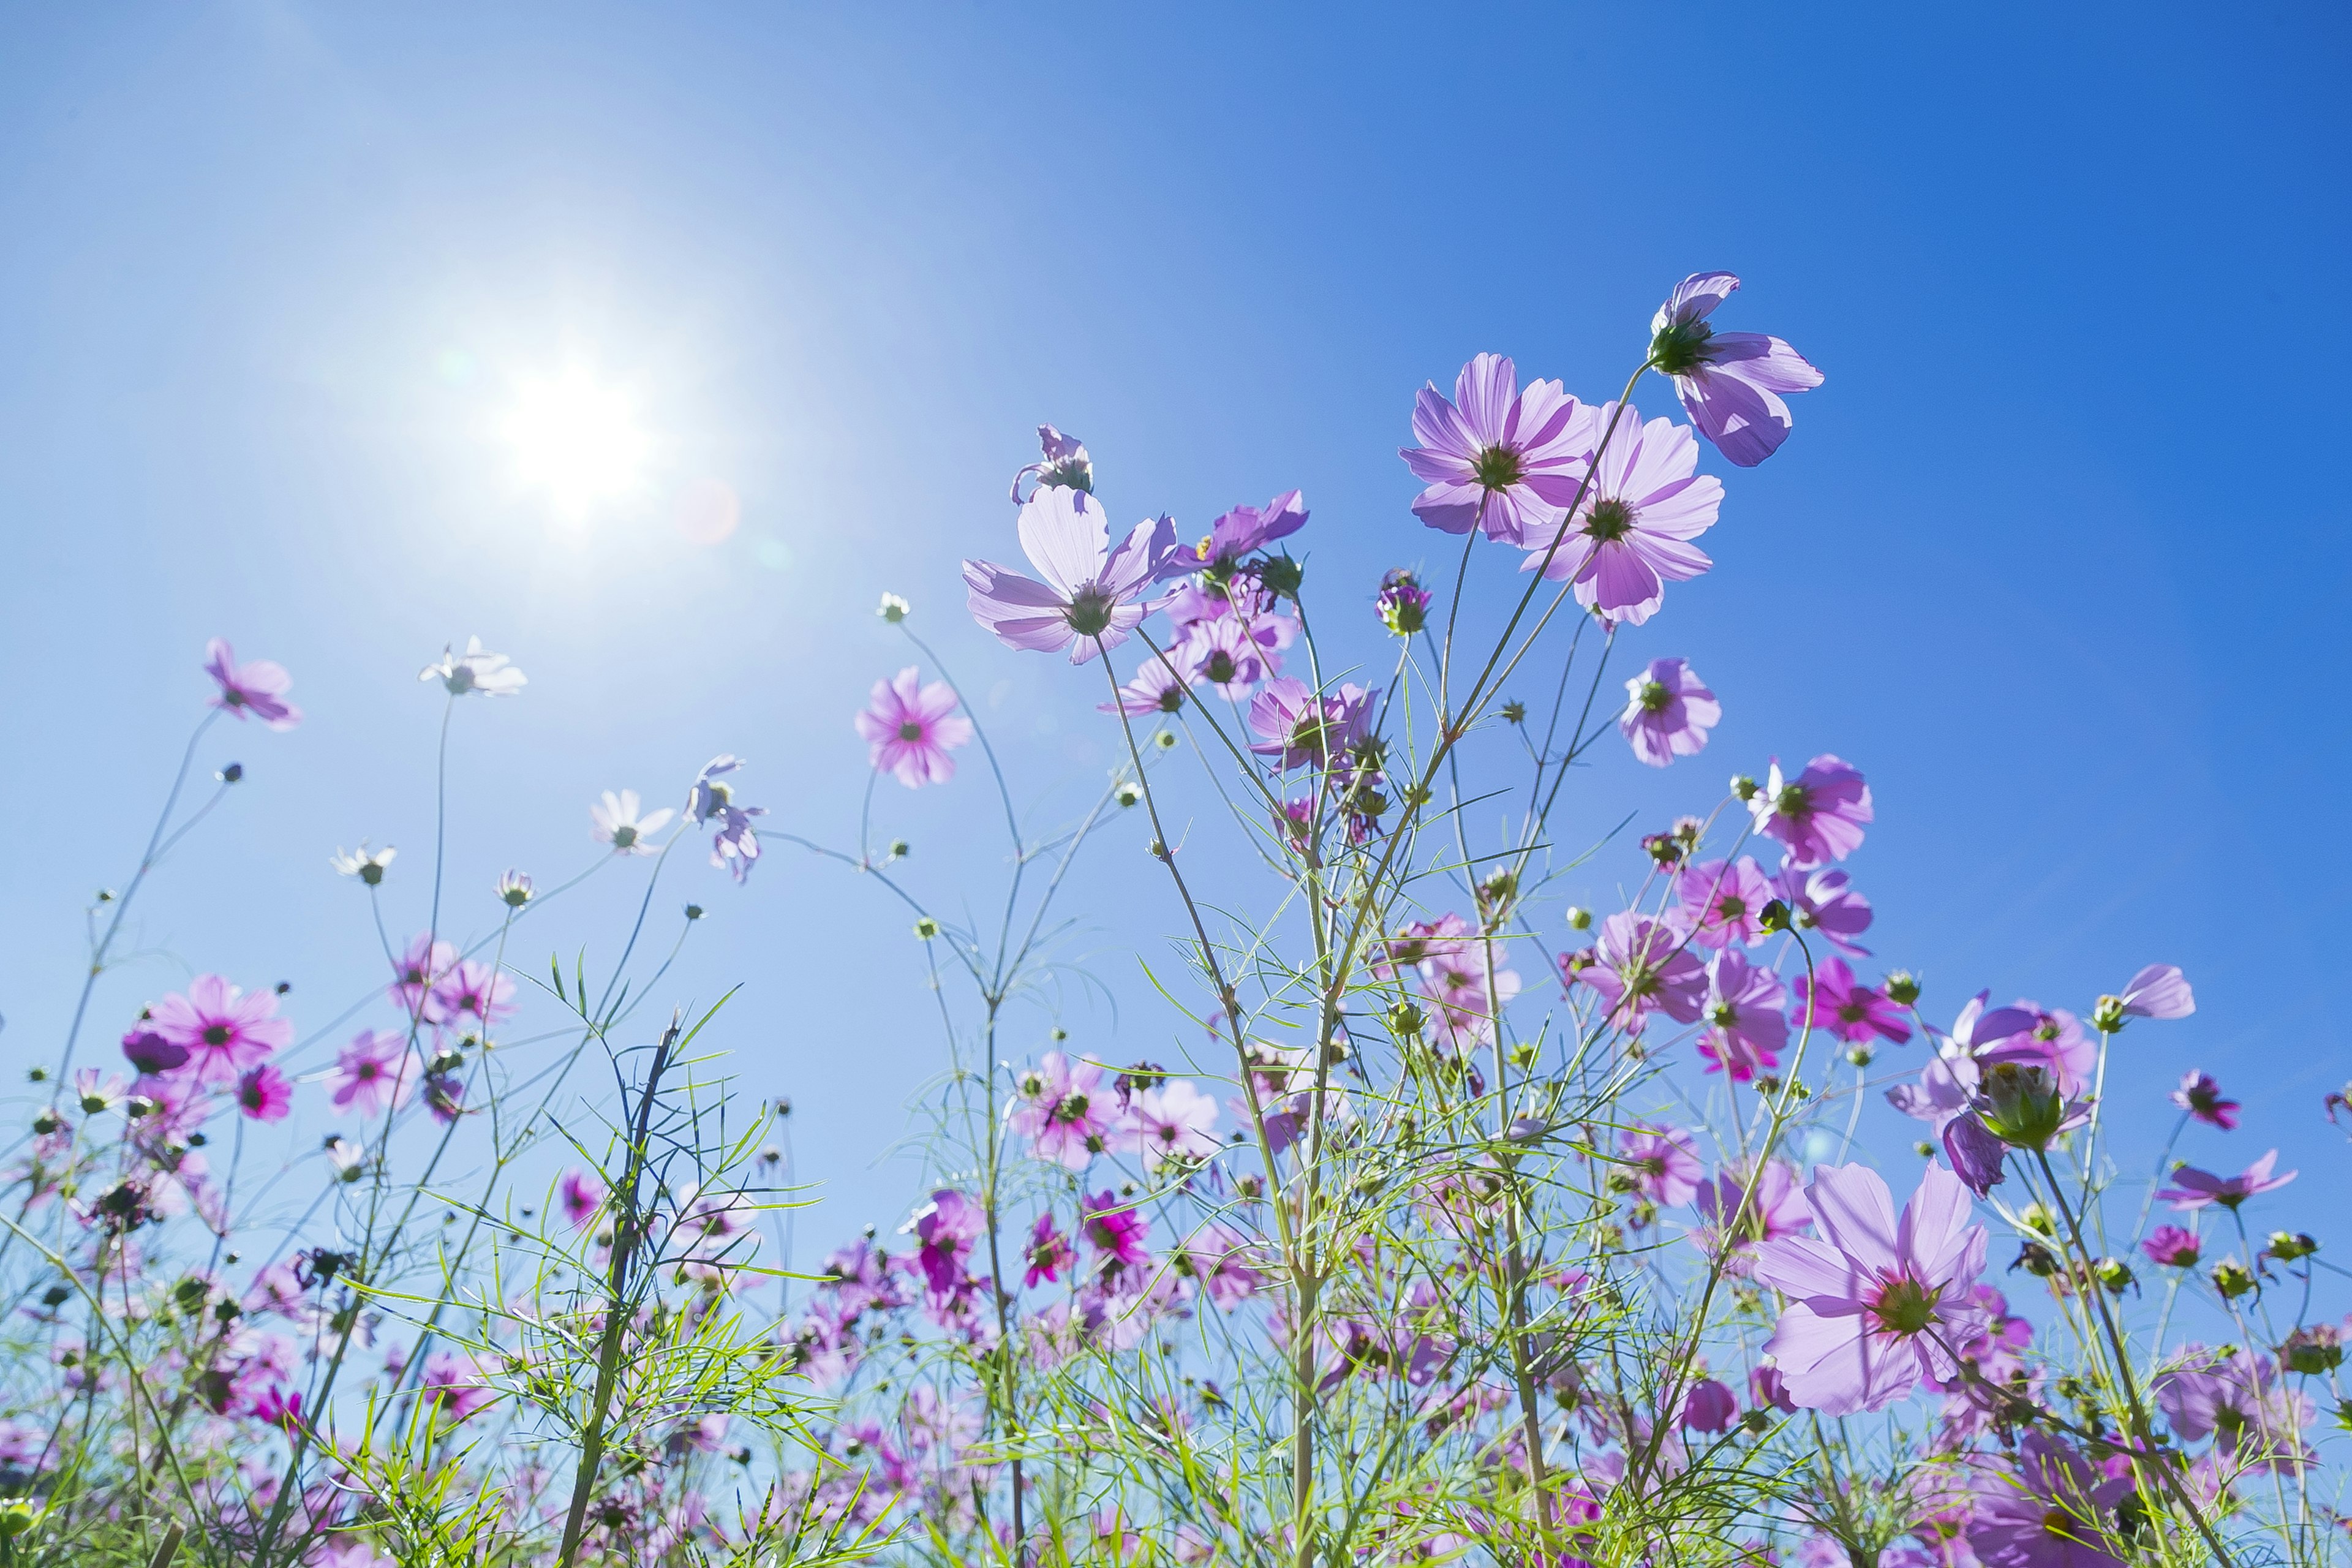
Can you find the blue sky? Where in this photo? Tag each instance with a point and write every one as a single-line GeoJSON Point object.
{"type": "Point", "coordinates": [2058, 554]}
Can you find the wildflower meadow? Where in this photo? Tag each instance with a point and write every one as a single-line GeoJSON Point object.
{"type": "Point", "coordinates": [1414, 1214]}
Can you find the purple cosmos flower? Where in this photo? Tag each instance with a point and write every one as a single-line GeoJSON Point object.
{"type": "Point", "coordinates": [1980, 1031]}
{"type": "Point", "coordinates": [1874, 1303]}
{"type": "Point", "coordinates": [1819, 814]}
{"type": "Point", "coordinates": [1115, 1229]}
{"type": "Point", "coordinates": [1048, 1252]}
{"type": "Point", "coordinates": [222, 1029]}
{"type": "Point", "coordinates": [1723, 902]}
{"type": "Point", "coordinates": [478, 670]}
{"type": "Point", "coordinates": [711, 799]}
{"type": "Point", "coordinates": [1403, 603]}
{"type": "Point", "coordinates": [1724, 1204]}
{"type": "Point", "coordinates": [1172, 1125]}
{"type": "Point", "coordinates": [2202, 1097]}
{"type": "Point", "coordinates": [1632, 533]}
{"type": "Point", "coordinates": [1063, 462]}
{"type": "Point", "coordinates": [475, 995]}
{"type": "Point", "coordinates": [150, 1052]}
{"type": "Point", "coordinates": [1455, 981]}
{"type": "Point", "coordinates": [1223, 654]}
{"type": "Point", "coordinates": [2237, 1400]}
{"type": "Point", "coordinates": [1641, 966]}
{"type": "Point", "coordinates": [621, 822]}
{"type": "Point", "coordinates": [1979, 1157]}
{"type": "Point", "coordinates": [1062, 1107]}
{"type": "Point", "coordinates": [2193, 1189]}
{"type": "Point", "coordinates": [580, 1193]}
{"type": "Point", "coordinates": [1219, 1256]}
{"type": "Point", "coordinates": [2054, 1040]}
{"type": "Point", "coordinates": [1746, 1029]}
{"type": "Point", "coordinates": [444, 1096]}
{"type": "Point", "coordinates": [1662, 1161]}
{"type": "Point", "coordinates": [258, 688]}
{"type": "Point", "coordinates": [1708, 1407]}
{"type": "Point", "coordinates": [1242, 531]}
{"type": "Point", "coordinates": [373, 1073]}
{"type": "Point", "coordinates": [2047, 1507]}
{"type": "Point", "coordinates": [1947, 1088]}
{"type": "Point", "coordinates": [910, 728]}
{"type": "Point", "coordinates": [1730, 382]}
{"type": "Point", "coordinates": [264, 1095]}
{"type": "Point", "coordinates": [1090, 598]}
{"type": "Point", "coordinates": [2159, 991]}
{"type": "Point", "coordinates": [452, 1383]}
{"type": "Point", "coordinates": [2172, 1246]}
{"type": "Point", "coordinates": [944, 1231]}
{"type": "Point", "coordinates": [1159, 687]}
{"type": "Point", "coordinates": [1296, 729]}
{"type": "Point", "coordinates": [1668, 712]}
{"type": "Point", "coordinates": [1852, 1011]}
{"type": "Point", "coordinates": [1825, 902]}
{"type": "Point", "coordinates": [1503, 461]}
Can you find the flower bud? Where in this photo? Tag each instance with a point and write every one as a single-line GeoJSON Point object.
{"type": "Point", "coordinates": [2288, 1246]}
{"type": "Point", "coordinates": [2313, 1351]}
{"type": "Point", "coordinates": [2232, 1279]}
{"type": "Point", "coordinates": [2022, 1106]}
{"type": "Point", "coordinates": [1128, 792]}
{"type": "Point", "coordinates": [1514, 711]}
{"type": "Point", "coordinates": [1901, 987]}
{"type": "Point", "coordinates": [1282, 576]}
{"type": "Point", "coordinates": [1403, 603]}
{"type": "Point", "coordinates": [1774, 916]}
{"type": "Point", "coordinates": [893, 608]}
{"type": "Point", "coordinates": [694, 912]}
{"type": "Point", "coordinates": [231, 773]}
{"type": "Point", "coordinates": [2037, 1260]}
{"type": "Point", "coordinates": [1165, 740]}
{"type": "Point", "coordinates": [1579, 918]}
{"type": "Point", "coordinates": [1744, 787]}
{"type": "Point", "coordinates": [926, 927]}
{"type": "Point", "coordinates": [1860, 1056]}
{"type": "Point", "coordinates": [2108, 1015]}
{"type": "Point", "coordinates": [2113, 1275]}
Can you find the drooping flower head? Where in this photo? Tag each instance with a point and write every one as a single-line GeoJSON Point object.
{"type": "Point", "coordinates": [622, 821]}
{"type": "Point", "coordinates": [1731, 383]}
{"type": "Point", "coordinates": [1090, 599]}
{"type": "Point", "coordinates": [910, 728]}
{"type": "Point", "coordinates": [1632, 533]}
{"type": "Point", "coordinates": [146, 1049]}
{"type": "Point", "coordinates": [1668, 712]}
{"type": "Point", "coordinates": [475, 671]}
{"type": "Point", "coordinates": [1062, 460]}
{"type": "Point", "coordinates": [1239, 532]}
{"type": "Point", "coordinates": [2202, 1097]}
{"type": "Point", "coordinates": [1505, 461]}
{"type": "Point", "coordinates": [224, 1029]}
{"type": "Point", "coordinates": [1744, 1025]}
{"type": "Point", "coordinates": [1819, 814]}
{"type": "Point", "coordinates": [2172, 1246]}
{"type": "Point", "coordinates": [1160, 685]}
{"type": "Point", "coordinates": [735, 846]}
{"type": "Point", "coordinates": [257, 688]}
{"type": "Point", "coordinates": [2158, 990]}
{"type": "Point", "coordinates": [1873, 1302]}
{"type": "Point", "coordinates": [374, 1073]}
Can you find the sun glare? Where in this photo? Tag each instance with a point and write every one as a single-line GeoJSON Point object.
{"type": "Point", "coordinates": [577, 439]}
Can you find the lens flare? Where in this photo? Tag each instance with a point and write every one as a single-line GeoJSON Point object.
{"type": "Point", "coordinates": [577, 439]}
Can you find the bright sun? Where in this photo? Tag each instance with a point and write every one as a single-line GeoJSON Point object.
{"type": "Point", "coordinates": [577, 438]}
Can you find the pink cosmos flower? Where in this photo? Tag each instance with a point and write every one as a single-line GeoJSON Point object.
{"type": "Point", "coordinates": [224, 1029]}
{"type": "Point", "coordinates": [1724, 1204]}
{"type": "Point", "coordinates": [2193, 1189]}
{"type": "Point", "coordinates": [1063, 1109]}
{"type": "Point", "coordinates": [1836, 1000]}
{"type": "Point", "coordinates": [2238, 1401]}
{"type": "Point", "coordinates": [944, 1230]}
{"type": "Point", "coordinates": [1730, 382]}
{"type": "Point", "coordinates": [1447, 936]}
{"type": "Point", "coordinates": [264, 1095]}
{"type": "Point", "coordinates": [910, 728]}
{"type": "Point", "coordinates": [1221, 653]}
{"type": "Point", "coordinates": [452, 1383]}
{"type": "Point", "coordinates": [1466, 1010]}
{"type": "Point", "coordinates": [1172, 1125]}
{"type": "Point", "coordinates": [1090, 598]}
{"type": "Point", "coordinates": [1048, 1252]}
{"type": "Point", "coordinates": [1497, 458]}
{"type": "Point", "coordinates": [1874, 1303]}
{"type": "Point", "coordinates": [2047, 1507]}
{"type": "Point", "coordinates": [1668, 712]}
{"type": "Point", "coordinates": [1296, 729]}
{"type": "Point", "coordinates": [580, 1194]}
{"type": "Point", "coordinates": [1219, 1256]}
{"type": "Point", "coordinates": [1820, 815]}
{"type": "Point", "coordinates": [1115, 1229]}
{"type": "Point", "coordinates": [374, 1073]}
{"type": "Point", "coordinates": [416, 987]}
{"type": "Point", "coordinates": [2202, 1097]}
{"type": "Point", "coordinates": [1631, 534]}
{"type": "Point", "coordinates": [258, 688]}
{"type": "Point", "coordinates": [1825, 902]}
{"type": "Point", "coordinates": [1641, 966]}
{"type": "Point", "coordinates": [2054, 1039]}
{"type": "Point", "coordinates": [1746, 1028]}
{"type": "Point", "coordinates": [1663, 1162]}
{"type": "Point", "coordinates": [1723, 902]}
{"type": "Point", "coordinates": [1239, 532]}
{"type": "Point", "coordinates": [2172, 1246]}
{"type": "Point", "coordinates": [1159, 687]}
{"type": "Point", "coordinates": [475, 995]}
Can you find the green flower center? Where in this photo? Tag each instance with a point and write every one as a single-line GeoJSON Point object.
{"type": "Point", "coordinates": [910, 731]}
{"type": "Point", "coordinates": [1681, 348]}
{"type": "Point", "coordinates": [1792, 801]}
{"type": "Point", "coordinates": [1497, 468]}
{"type": "Point", "coordinates": [1220, 668]}
{"type": "Point", "coordinates": [1610, 521]}
{"type": "Point", "coordinates": [1654, 697]}
{"type": "Point", "coordinates": [623, 835]}
{"type": "Point", "coordinates": [216, 1034]}
{"type": "Point", "coordinates": [1906, 1306]}
{"type": "Point", "coordinates": [1089, 612]}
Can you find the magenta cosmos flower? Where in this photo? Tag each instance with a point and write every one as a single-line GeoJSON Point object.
{"type": "Point", "coordinates": [1048, 1252]}
{"type": "Point", "coordinates": [2202, 1097]}
{"type": "Point", "coordinates": [1631, 534]}
{"type": "Point", "coordinates": [1172, 1125]}
{"type": "Point", "coordinates": [1728, 1204]}
{"type": "Point", "coordinates": [1668, 712]}
{"type": "Point", "coordinates": [580, 1194]}
{"type": "Point", "coordinates": [375, 1072]}
{"type": "Point", "coordinates": [1641, 966]}
{"type": "Point", "coordinates": [1826, 901]}
{"type": "Point", "coordinates": [1731, 383]}
{"type": "Point", "coordinates": [1744, 1025]}
{"type": "Point", "coordinates": [2172, 1246]}
{"type": "Point", "coordinates": [264, 1095]}
{"type": "Point", "coordinates": [257, 688]}
{"type": "Point", "coordinates": [1063, 1107]}
{"type": "Point", "coordinates": [1239, 532]}
{"type": "Point", "coordinates": [1819, 814]}
{"type": "Point", "coordinates": [1115, 1229]}
{"type": "Point", "coordinates": [2048, 1508]}
{"type": "Point", "coordinates": [1723, 902]}
{"type": "Point", "coordinates": [1662, 1161]}
{"type": "Point", "coordinates": [910, 728]}
{"type": "Point", "coordinates": [1874, 1300]}
{"type": "Point", "coordinates": [1496, 458]}
{"type": "Point", "coordinates": [1089, 600]}
{"type": "Point", "coordinates": [944, 1230]}
{"type": "Point", "coordinates": [2193, 1189]}
{"type": "Point", "coordinates": [1836, 1001]}
{"type": "Point", "coordinates": [222, 1029]}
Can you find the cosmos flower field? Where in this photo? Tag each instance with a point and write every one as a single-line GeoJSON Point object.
{"type": "Point", "coordinates": [1470, 1226]}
